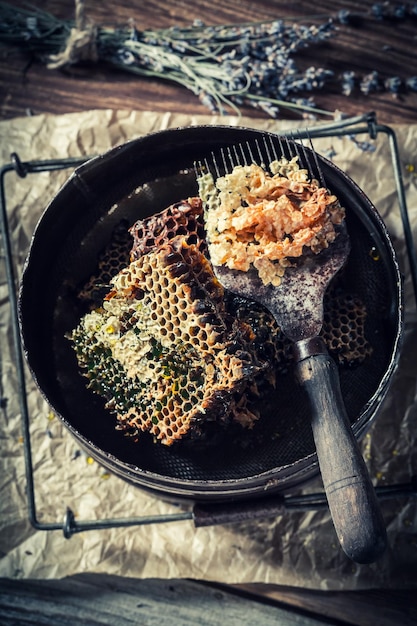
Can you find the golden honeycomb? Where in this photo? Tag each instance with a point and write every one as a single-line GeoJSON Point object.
{"type": "Point", "coordinates": [174, 354]}
{"type": "Point", "coordinates": [162, 348]}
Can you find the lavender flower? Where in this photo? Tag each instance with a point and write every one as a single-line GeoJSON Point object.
{"type": "Point", "coordinates": [399, 11]}
{"type": "Point", "coordinates": [307, 106]}
{"type": "Point", "coordinates": [387, 11]}
{"type": "Point", "coordinates": [378, 11]}
{"type": "Point", "coordinates": [125, 56]}
{"type": "Point", "coordinates": [344, 16]}
{"type": "Point", "coordinates": [208, 101]}
{"type": "Point", "coordinates": [411, 83]}
{"type": "Point", "coordinates": [348, 82]}
{"type": "Point", "coordinates": [393, 85]}
{"type": "Point", "coordinates": [370, 83]}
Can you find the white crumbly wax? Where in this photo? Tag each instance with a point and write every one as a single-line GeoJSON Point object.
{"type": "Point", "coordinates": [259, 219]}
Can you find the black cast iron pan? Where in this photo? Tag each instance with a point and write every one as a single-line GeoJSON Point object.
{"type": "Point", "coordinates": [72, 231]}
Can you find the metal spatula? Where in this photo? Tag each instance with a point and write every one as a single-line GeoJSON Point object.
{"type": "Point", "coordinates": [297, 305]}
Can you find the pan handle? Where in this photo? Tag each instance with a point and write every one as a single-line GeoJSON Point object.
{"type": "Point", "coordinates": [350, 494]}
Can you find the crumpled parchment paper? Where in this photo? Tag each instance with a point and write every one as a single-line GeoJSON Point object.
{"type": "Point", "coordinates": [297, 549]}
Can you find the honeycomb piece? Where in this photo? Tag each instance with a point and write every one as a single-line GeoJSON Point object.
{"type": "Point", "coordinates": [344, 328]}
{"type": "Point", "coordinates": [183, 218]}
{"type": "Point", "coordinates": [163, 350]}
{"type": "Point", "coordinates": [111, 260]}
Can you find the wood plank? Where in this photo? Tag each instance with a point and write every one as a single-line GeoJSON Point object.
{"type": "Point", "coordinates": [373, 607]}
{"type": "Point", "coordinates": [386, 46]}
{"type": "Point", "coordinates": [92, 600]}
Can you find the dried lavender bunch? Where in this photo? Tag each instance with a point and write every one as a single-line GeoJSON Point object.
{"type": "Point", "coordinates": [225, 66]}
{"type": "Point", "coordinates": [233, 65]}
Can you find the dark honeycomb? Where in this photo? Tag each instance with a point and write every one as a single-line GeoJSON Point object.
{"type": "Point", "coordinates": [181, 219]}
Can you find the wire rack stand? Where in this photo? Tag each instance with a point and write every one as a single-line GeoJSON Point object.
{"type": "Point", "coordinates": [273, 505]}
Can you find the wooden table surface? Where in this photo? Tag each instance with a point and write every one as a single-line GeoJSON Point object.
{"type": "Point", "coordinates": [387, 46]}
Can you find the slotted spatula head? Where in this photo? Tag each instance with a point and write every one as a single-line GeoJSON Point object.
{"type": "Point", "coordinates": [297, 304]}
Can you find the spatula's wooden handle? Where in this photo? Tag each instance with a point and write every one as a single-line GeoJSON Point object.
{"type": "Point", "coordinates": [351, 496]}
